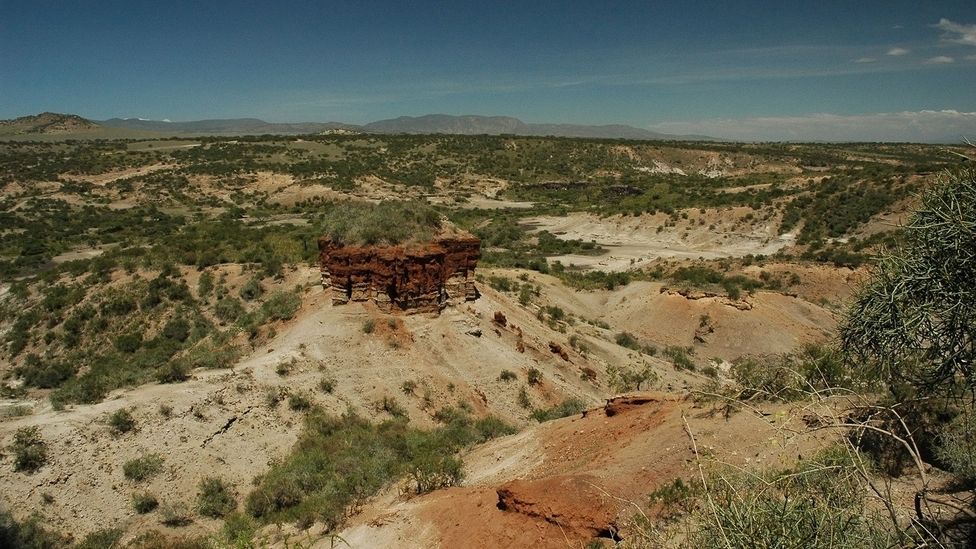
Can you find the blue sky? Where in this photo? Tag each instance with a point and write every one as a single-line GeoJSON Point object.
{"type": "Point", "coordinates": [752, 70]}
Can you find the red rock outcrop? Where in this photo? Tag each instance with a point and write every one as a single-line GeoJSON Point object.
{"type": "Point", "coordinates": [417, 278]}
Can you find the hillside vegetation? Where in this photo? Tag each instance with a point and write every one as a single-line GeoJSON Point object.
{"type": "Point", "coordinates": [156, 294]}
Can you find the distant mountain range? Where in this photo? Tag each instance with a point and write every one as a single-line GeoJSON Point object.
{"type": "Point", "coordinates": [226, 126]}
{"type": "Point", "coordinates": [68, 124]}
{"type": "Point", "coordinates": [495, 125]}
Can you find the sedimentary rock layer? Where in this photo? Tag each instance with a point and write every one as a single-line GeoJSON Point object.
{"type": "Point", "coordinates": [422, 278]}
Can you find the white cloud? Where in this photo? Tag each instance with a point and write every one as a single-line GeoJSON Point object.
{"type": "Point", "coordinates": [940, 60]}
{"type": "Point", "coordinates": [865, 60]}
{"type": "Point", "coordinates": [957, 32]}
{"type": "Point", "coordinates": [915, 126]}
{"type": "Point", "coordinates": [970, 57]}
{"type": "Point", "coordinates": [898, 51]}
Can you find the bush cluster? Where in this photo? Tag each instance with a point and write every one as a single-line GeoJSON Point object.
{"type": "Point", "coordinates": [340, 461]}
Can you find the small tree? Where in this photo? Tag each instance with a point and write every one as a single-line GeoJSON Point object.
{"type": "Point", "coordinates": [915, 319]}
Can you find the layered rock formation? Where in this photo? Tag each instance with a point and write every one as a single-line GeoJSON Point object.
{"type": "Point", "coordinates": [416, 278]}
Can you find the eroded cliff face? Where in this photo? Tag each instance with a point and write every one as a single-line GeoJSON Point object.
{"type": "Point", "coordinates": [414, 278]}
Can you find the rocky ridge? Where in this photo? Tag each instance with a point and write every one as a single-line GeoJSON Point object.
{"type": "Point", "coordinates": [415, 277]}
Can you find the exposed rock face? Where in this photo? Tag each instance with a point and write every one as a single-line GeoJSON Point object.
{"type": "Point", "coordinates": [415, 278]}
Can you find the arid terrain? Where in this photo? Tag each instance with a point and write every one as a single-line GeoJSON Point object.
{"type": "Point", "coordinates": [164, 322]}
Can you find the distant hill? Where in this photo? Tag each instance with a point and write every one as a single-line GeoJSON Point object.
{"type": "Point", "coordinates": [74, 126]}
{"type": "Point", "coordinates": [47, 123]}
{"type": "Point", "coordinates": [494, 125]}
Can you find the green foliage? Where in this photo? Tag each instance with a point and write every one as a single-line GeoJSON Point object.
{"type": "Point", "coordinates": [391, 406]}
{"type": "Point", "coordinates": [507, 375]}
{"type": "Point", "coordinates": [251, 289]}
{"type": "Point", "coordinates": [174, 371]}
{"type": "Point", "coordinates": [534, 376]}
{"type": "Point", "coordinates": [701, 276]}
{"type": "Point", "coordinates": [29, 534]}
{"type": "Point", "coordinates": [340, 461]}
{"type": "Point", "coordinates": [205, 284]}
{"type": "Point", "coordinates": [915, 319]}
{"type": "Point", "coordinates": [327, 384]}
{"type": "Point", "coordinates": [229, 309]}
{"type": "Point", "coordinates": [175, 515]}
{"type": "Point", "coordinates": [839, 204]}
{"type": "Point", "coordinates": [129, 343]}
{"type": "Point", "coordinates": [388, 222]}
{"type": "Point", "coordinates": [622, 380]}
{"type": "Point", "coordinates": [298, 402]}
{"type": "Point", "coordinates": [215, 498]}
{"type": "Point", "coordinates": [500, 283]}
{"type": "Point", "coordinates": [144, 502]}
{"type": "Point", "coordinates": [680, 357]}
{"type": "Point", "coordinates": [626, 339]}
{"type": "Point", "coordinates": [239, 530]}
{"type": "Point", "coordinates": [568, 407]}
{"type": "Point", "coordinates": [101, 539]}
{"type": "Point", "coordinates": [592, 280]}
{"type": "Point", "coordinates": [795, 376]}
{"type": "Point", "coordinates": [142, 468]}
{"type": "Point", "coordinates": [45, 374]}
{"type": "Point", "coordinates": [121, 421]}
{"type": "Point", "coordinates": [177, 329]}
{"type": "Point", "coordinates": [957, 445]}
{"type": "Point", "coordinates": [281, 305]}
{"type": "Point", "coordinates": [29, 449]}
{"type": "Point", "coordinates": [819, 503]}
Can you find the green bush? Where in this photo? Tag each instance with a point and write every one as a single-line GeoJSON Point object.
{"type": "Point", "coordinates": [251, 289]}
{"type": "Point", "coordinates": [129, 343]}
{"type": "Point", "coordinates": [626, 339]}
{"type": "Point", "coordinates": [432, 471]}
{"type": "Point", "coordinates": [173, 371]}
{"type": "Point", "coordinates": [143, 467]}
{"type": "Point", "coordinates": [298, 402]}
{"type": "Point", "coordinates": [795, 376]}
{"type": "Point", "coordinates": [29, 449]}
{"type": "Point", "coordinates": [534, 376]}
{"type": "Point", "coordinates": [281, 306]}
{"type": "Point", "coordinates": [144, 503]}
{"type": "Point", "coordinates": [338, 462]}
{"type": "Point", "coordinates": [679, 356]}
{"type": "Point", "coordinates": [177, 329]}
{"type": "Point", "coordinates": [215, 498]}
{"type": "Point", "coordinates": [101, 539]}
{"type": "Point", "coordinates": [818, 504]}
{"type": "Point", "coordinates": [369, 326]}
{"type": "Point", "coordinates": [121, 421]}
{"type": "Point", "coordinates": [956, 445]}
{"type": "Point", "coordinates": [327, 384]}
{"type": "Point", "coordinates": [30, 533]}
{"type": "Point", "coordinates": [507, 375]}
{"type": "Point", "coordinates": [175, 515]}
{"type": "Point", "coordinates": [568, 407]}
{"type": "Point", "coordinates": [228, 309]}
